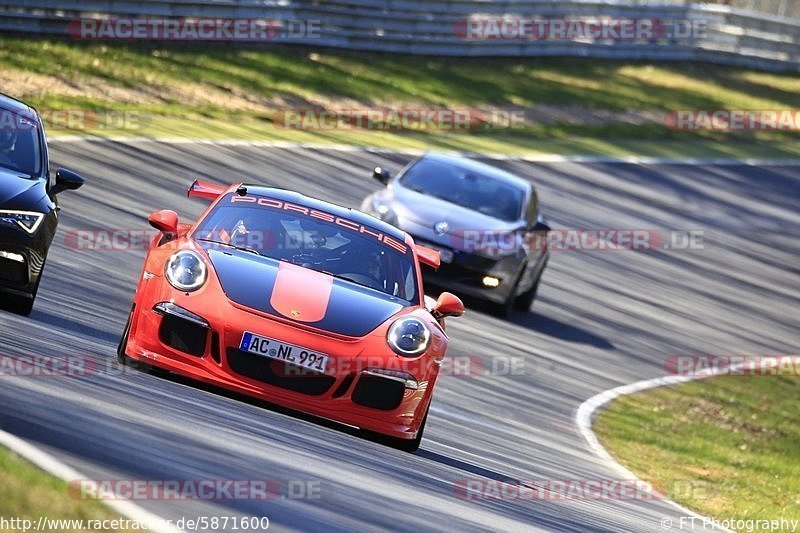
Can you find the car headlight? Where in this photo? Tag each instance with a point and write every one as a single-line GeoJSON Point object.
{"type": "Point", "coordinates": [26, 220]}
{"type": "Point", "coordinates": [409, 337]}
{"type": "Point", "coordinates": [186, 270]}
{"type": "Point", "coordinates": [384, 212]}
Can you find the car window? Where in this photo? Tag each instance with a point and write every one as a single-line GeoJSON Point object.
{"type": "Point", "coordinates": [350, 252]}
{"type": "Point", "coordinates": [20, 149]}
{"type": "Point", "coordinates": [464, 187]}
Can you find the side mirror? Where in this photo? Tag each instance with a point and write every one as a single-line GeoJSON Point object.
{"type": "Point", "coordinates": [381, 174]}
{"type": "Point", "coordinates": [67, 180]}
{"type": "Point", "coordinates": [448, 304]}
{"type": "Point", "coordinates": [540, 224]}
{"type": "Point", "coordinates": [165, 221]}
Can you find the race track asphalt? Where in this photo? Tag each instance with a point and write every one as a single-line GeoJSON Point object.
{"type": "Point", "coordinates": [602, 319]}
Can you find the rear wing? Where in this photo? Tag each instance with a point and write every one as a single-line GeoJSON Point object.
{"type": "Point", "coordinates": [205, 190]}
{"type": "Point", "coordinates": [428, 256]}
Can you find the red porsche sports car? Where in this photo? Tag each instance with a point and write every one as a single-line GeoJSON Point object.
{"type": "Point", "coordinates": [295, 301]}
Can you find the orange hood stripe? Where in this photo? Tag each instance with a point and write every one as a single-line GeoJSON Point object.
{"type": "Point", "coordinates": [301, 294]}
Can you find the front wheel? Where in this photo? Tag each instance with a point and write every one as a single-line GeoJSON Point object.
{"type": "Point", "coordinates": [505, 309]}
{"type": "Point", "coordinates": [122, 357]}
{"type": "Point", "coordinates": [20, 305]}
{"type": "Point", "coordinates": [23, 305]}
{"type": "Point", "coordinates": [525, 300]}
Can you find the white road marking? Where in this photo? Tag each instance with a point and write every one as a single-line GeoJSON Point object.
{"type": "Point", "coordinates": [53, 466]}
{"type": "Point", "coordinates": [587, 410]}
{"type": "Point", "coordinates": [534, 158]}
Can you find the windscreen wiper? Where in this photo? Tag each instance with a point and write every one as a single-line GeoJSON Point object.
{"type": "Point", "coordinates": [228, 245]}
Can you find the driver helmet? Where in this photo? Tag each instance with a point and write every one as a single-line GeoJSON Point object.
{"type": "Point", "coordinates": [7, 139]}
{"type": "Point", "coordinates": [373, 267]}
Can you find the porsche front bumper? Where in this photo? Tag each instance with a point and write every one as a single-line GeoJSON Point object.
{"type": "Point", "coordinates": [199, 336]}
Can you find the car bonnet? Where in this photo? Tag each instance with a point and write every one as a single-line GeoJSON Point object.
{"type": "Point", "coordinates": [299, 294]}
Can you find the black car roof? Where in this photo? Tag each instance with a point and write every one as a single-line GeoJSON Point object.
{"type": "Point", "coordinates": [16, 106]}
{"type": "Point", "coordinates": [328, 207]}
{"type": "Point", "coordinates": [479, 167]}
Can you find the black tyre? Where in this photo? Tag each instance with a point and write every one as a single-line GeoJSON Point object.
{"type": "Point", "coordinates": [23, 305]}
{"type": "Point", "coordinates": [505, 309]}
{"type": "Point", "coordinates": [525, 300]}
{"type": "Point", "coordinates": [122, 357]}
{"type": "Point", "coordinates": [20, 305]}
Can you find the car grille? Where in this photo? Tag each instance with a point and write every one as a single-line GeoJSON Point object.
{"type": "Point", "coordinates": [278, 373]}
{"type": "Point", "coordinates": [183, 335]}
{"type": "Point", "coordinates": [344, 386]}
{"type": "Point", "coordinates": [13, 272]}
{"type": "Point", "coordinates": [378, 393]}
{"type": "Point", "coordinates": [466, 268]}
{"type": "Point", "coordinates": [460, 274]}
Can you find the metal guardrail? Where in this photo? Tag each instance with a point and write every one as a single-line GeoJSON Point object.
{"type": "Point", "coordinates": [778, 8]}
{"type": "Point", "coordinates": [734, 36]}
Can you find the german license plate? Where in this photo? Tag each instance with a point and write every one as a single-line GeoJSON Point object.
{"type": "Point", "coordinates": [281, 351]}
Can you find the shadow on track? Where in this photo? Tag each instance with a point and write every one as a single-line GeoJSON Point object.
{"type": "Point", "coordinates": [71, 325]}
{"type": "Point", "coordinates": [560, 330]}
{"type": "Point", "coordinates": [534, 321]}
{"type": "Point", "coordinates": [466, 467]}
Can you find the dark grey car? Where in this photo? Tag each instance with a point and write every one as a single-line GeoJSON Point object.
{"type": "Point", "coordinates": [484, 221]}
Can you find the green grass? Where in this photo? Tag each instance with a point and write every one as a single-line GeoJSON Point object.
{"type": "Point", "coordinates": [726, 447]}
{"type": "Point", "coordinates": [234, 92]}
{"type": "Point", "coordinates": [29, 493]}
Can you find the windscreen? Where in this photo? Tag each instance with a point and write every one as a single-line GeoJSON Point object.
{"type": "Point", "coordinates": [461, 186]}
{"type": "Point", "coordinates": [20, 150]}
{"type": "Point", "coordinates": [313, 239]}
